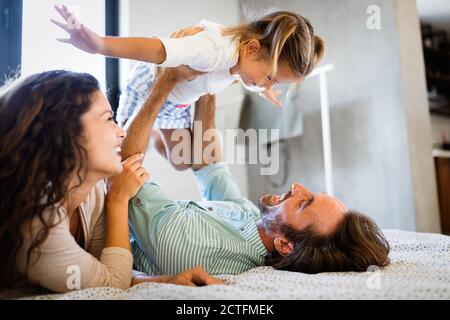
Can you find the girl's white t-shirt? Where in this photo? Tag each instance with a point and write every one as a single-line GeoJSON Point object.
{"type": "Point", "coordinates": [207, 51]}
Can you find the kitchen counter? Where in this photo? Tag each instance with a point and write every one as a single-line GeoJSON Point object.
{"type": "Point", "coordinates": [439, 153]}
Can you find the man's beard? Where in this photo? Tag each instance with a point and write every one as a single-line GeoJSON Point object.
{"type": "Point", "coordinates": [269, 218]}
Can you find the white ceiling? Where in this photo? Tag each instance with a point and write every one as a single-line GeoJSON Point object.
{"type": "Point", "coordinates": [435, 12]}
{"type": "Point", "coordinates": [433, 8]}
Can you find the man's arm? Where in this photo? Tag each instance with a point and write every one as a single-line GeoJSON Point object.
{"type": "Point", "coordinates": [213, 176]}
{"type": "Point", "coordinates": [205, 134]}
{"type": "Point", "coordinates": [138, 134]}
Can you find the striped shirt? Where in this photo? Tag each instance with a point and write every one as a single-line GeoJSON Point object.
{"type": "Point", "coordinates": [219, 234]}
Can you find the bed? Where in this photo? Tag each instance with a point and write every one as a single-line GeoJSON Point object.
{"type": "Point", "coordinates": [420, 269]}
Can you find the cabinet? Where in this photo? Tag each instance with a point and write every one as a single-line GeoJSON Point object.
{"type": "Point", "coordinates": [442, 164]}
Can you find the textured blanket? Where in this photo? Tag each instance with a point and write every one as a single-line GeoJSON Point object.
{"type": "Point", "coordinates": [419, 269]}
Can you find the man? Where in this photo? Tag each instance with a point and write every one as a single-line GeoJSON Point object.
{"type": "Point", "coordinates": [227, 233]}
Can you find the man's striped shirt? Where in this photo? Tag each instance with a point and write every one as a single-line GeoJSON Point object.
{"type": "Point", "coordinates": [219, 234]}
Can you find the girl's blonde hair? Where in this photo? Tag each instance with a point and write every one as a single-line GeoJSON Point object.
{"type": "Point", "coordinates": [285, 37]}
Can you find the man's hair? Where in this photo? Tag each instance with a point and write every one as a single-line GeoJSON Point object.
{"type": "Point", "coordinates": [355, 245]}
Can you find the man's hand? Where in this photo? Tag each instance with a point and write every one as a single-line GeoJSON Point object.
{"type": "Point", "coordinates": [187, 32]}
{"type": "Point", "coordinates": [183, 73]}
{"type": "Point", "coordinates": [192, 278]}
{"type": "Point", "coordinates": [180, 74]}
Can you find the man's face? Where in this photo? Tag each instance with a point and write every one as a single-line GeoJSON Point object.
{"type": "Point", "coordinates": [301, 208]}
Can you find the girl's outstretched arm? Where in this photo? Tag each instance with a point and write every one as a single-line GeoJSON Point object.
{"type": "Point", "coordinates": [143, 49]}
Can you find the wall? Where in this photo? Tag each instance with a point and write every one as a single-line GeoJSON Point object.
{"type": "Point", "coordinates": [440, 125]}
{"type": "Point", "coordinates": [148, 18]}
{"type": "Point", "coordinates": [415, 103]}
{"type": "Point", "coordinates": [381, 135]}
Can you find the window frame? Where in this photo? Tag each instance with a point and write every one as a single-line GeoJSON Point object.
{"type": "Point", "coordinates": [112, 15]}
{"type": "Point", "coordinates": [11, 31]}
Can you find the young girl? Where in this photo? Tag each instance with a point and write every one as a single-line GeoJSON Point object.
{"type": "Point", "coordinates": [278, 48]}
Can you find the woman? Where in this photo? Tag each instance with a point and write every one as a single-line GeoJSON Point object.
{"type": "Point", "coordinates": [58, 229]}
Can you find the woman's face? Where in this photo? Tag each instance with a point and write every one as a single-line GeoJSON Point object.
{"type": "Point", "coordinates": [103, 139]}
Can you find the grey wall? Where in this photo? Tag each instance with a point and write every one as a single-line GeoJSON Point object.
{"type": "Point", "coordinates": [380, 126]}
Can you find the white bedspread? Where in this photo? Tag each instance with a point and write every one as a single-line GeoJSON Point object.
{"type": "Point", "coordinates": [420, 269]}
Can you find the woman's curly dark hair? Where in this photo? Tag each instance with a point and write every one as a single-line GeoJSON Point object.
{"type": "Point", "coordinates": [40, 148]}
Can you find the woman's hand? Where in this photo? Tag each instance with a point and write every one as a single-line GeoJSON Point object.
{"type": "Point", "coordinates": [121, 189]}
{"type": "Point", "coordinates": [81, 37]}
{"type": "Point", "coordinates": [192, 278]}
{"type": "Point", "coordinates": [126, 185]}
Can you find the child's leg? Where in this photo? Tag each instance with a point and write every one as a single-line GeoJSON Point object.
{"type": "Point", "coordinates": [178, 147]}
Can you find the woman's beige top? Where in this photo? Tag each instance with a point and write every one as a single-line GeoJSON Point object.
{"type": "Point", "coordinates": [64, 265]}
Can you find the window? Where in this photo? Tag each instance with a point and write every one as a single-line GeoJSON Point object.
{"type": "Point", "coordinates": [42, 52]}
{"type": "Point", "coordinates": [29, 45]}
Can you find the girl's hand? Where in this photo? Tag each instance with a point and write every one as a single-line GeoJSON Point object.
{"type": "Point", "coordinates": [81, 37]}
{"type": "Point", "coordinates": [271, 96]}
{"type": "Point", "coordinates": [126, 185]}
